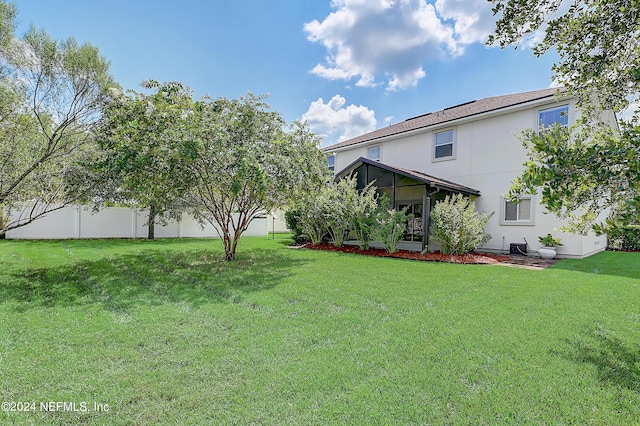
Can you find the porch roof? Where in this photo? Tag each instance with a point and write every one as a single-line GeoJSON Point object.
{"type": "Point", "coordinates": [430, 181]}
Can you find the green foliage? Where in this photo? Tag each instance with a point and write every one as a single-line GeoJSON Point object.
{"type": "Point", "coordinates": [390, 225]}
{"type": "Point", "coordinates": [593, 169]}
{"type": "Point", "coordinates": [336, 209]}
{"type": "Point", "coordinates": [549, 241]}
{"type": "Point", "coordinates": [310, 214]}
{"type": "Point", "coordinates": [246, 161]}
{"type": "Point", "coordinates": [292, 219]}
{"type": "Point", "coordinates": [145, 144]}
{"type": "Point", "coordinates": [582, 174]}
{"type": "Point", "coordinates": [7, 22]}
{"type": "Point", "coordinates": [364, 209]}
{"type": "Point", "coordinates": [340, 199]}
{"type": "Point", "coordinates": [51, 96]}
{"type": "Point", "coordinates": [597, 43]}
{"type": "Point", "coordinates": [457, 227]}
{"type": "Point", "coordinates": [624, 237]}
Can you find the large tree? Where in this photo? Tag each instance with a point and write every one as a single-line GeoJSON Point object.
{"type": "Point", "coordinates": [590, 168]}
{"type": "Point", "coordinates": [598, 42]}
{"type": "Point", "coordinates": [142, 139]}
{"type": "Point", "coordinates": [51, 96]}
{"type": "Point", "coordinates": [582, 174]}
{"type": "Point", "coordinates": [247, 162]}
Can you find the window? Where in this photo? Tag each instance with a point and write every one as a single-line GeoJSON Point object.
{"type": "Point", "coordinates": [549, 117]}
{"type": "Point", "coordinates": [332, 162]}
{"type": "Point", "coordinates": [443, 145]}
{"type": "Point", "coordinates": [373, 153]}
{"type": "Point", "coordinates": [520, 213]}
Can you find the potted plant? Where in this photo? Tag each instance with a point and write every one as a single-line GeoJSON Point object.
{"type": "Point", "coordinates": [549, 244]}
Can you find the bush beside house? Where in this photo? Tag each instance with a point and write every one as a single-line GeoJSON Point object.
{"type": "Point", "coordinates": [339, 210]}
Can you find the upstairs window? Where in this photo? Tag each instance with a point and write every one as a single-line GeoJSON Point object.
{"type": "Point", "coordinates": [549, 117]}
{"type": "Point", "coordinates": [443, 145]}
{"type": "Point", "coordinates": [373, 153]}
{"type": "Point", "coordinates": [331, 160]}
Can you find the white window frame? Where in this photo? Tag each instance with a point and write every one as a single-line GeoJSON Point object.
{"type": "Point", "coordinates": [518, 221]}
{"type": "Point", "coordinates": [369, 148]}
{"type": "Point", "coordinates": [453, 145]}
{"type": "Point", "coordinates": [332, 167]}
{"type": "Point", "coordinates": [559, 108]}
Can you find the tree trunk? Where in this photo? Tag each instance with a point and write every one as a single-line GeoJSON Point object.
{"type": "Point", "coordinates": [3, 224]}
{"type": "Point", "coordinates": [152, 222]}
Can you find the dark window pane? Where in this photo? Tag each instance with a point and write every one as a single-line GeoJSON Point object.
{"type": "Point", "coordinates": [410, 193]}
{"type": "Point", "coordinates": [405, 181]}
{"type": "Point", "coordinates": [361, 176]}
{"type": "Point", "coordinates": [444, 151]}
{"type": "Point", "coordinates": [510, 211]}
{"type": "Point", "coordinates": [383, 178]}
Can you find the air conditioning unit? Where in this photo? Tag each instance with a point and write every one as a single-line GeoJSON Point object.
{"type": "Point", "coordinates": [518, 248]}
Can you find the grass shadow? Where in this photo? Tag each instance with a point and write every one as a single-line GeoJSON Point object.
{"type": "Point", "coordinates": [616, 362]}
{"type": "Point", "coordinates": [122, 281]}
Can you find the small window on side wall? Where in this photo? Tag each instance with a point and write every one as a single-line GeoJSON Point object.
{"type": "Point", "coordinates": [517, 213]}
{"type": "Point", "coordinates": [443, 145]}
{"type": "Point", "coordinates": [373, 153]}
{"type": "Point", "coordinates": [331, 160]}
{"type": "Point", "coordinates": [548, 117]}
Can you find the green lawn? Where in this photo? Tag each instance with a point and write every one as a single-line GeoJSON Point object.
{"type": "Point", "coordinates": [167, 332]}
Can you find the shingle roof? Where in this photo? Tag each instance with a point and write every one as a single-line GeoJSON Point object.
{"type": "Point", "coordinates": [467, 109]}
{"type": "Point", "coordinates": [431, 181]}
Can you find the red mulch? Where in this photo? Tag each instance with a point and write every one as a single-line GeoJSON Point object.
{"type": "Point", "coordinates": [470, 258]}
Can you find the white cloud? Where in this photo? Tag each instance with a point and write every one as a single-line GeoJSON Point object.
{"type": "Point", "coordinates": [392, 39]}
{"type": "Point", "coordinates": [334, 122]}
{"type": "Point", "coordinates": [473, 21]}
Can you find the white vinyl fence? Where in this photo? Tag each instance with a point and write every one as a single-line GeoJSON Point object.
{"type": "Point", "coordinates": [119, 222]}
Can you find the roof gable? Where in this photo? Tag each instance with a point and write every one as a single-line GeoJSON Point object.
{"type": "Point", "coordinates": [465, 110]}
{"type": "Point", "coordinates": [430, 181]}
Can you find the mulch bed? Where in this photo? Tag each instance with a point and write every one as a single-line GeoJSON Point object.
{"type": "Point", "coordinates": [470, 258]}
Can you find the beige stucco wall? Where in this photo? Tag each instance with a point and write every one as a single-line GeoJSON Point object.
{"type": "Point", "coordinates": [488, 156]}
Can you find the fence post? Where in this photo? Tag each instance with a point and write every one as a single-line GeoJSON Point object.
{"type": "Point", "coordinates": [78, 212]}
{"type": "Point", "coordinates": [134, 223]}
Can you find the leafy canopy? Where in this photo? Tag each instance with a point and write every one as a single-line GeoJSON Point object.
{"type": "Point", "coordinates": [590, 169]}
{"type": "Point", "coordinates": [51, 96]}
{"type": "Point", "coordinates": [247, 161]}
{"type": "Point", "coordinates": [581, 174]}
{"type": "Point", "coordinates": [598, 42]}
{"type": "Point", "coordinates": [144, 142]}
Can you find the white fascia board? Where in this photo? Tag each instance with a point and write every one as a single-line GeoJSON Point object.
{"type": "Point", "coordinates": [502, 111]}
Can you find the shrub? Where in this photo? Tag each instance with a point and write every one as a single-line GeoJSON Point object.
{"type": "Point", "coordinates": [364, 207]}
{"type": "Point", "coordinates": [624, 237]}
{"type": "Point", "coordinates": [339, 196]}
{"type": "Point", "coordinates": [456, 225]}
{"type": "Point", "coordinates": [390, 225]}
{"type": "Point", "coordinates": [292, 219]}
{"type": "Point", "coordinates": [309, 213]}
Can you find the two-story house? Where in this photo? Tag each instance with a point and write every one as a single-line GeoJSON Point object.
{"type": "Point", "coordinates": [473, 149]}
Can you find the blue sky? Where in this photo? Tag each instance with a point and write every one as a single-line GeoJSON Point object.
{"type": "Point", "coordinates": [345, 66]}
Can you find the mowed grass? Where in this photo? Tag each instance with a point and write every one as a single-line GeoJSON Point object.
{"type": "Point", "coordinates": [166, 332]}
